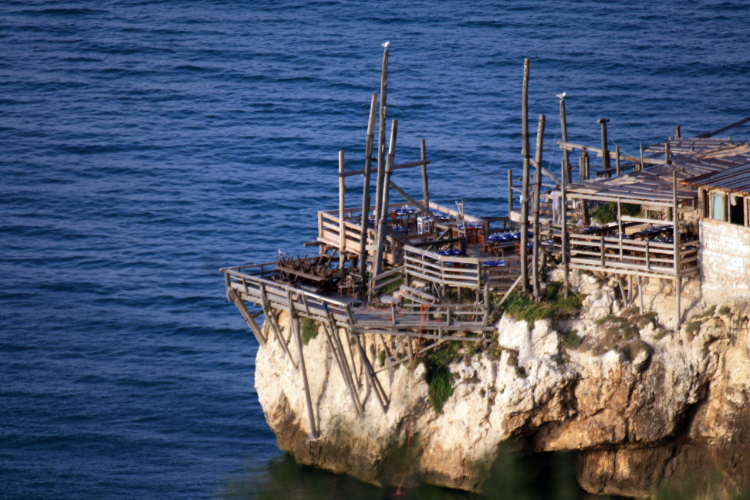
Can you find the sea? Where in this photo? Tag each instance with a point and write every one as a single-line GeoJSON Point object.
{"type": "Point", "coordinates": [145, 145]}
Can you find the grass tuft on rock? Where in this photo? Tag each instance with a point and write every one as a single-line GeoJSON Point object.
{"type": "Point", "coordinates": [724, 310]}
{"type": "Point", "coordinates": [571, 339]}
{"type": "Point", "coordinates": [553, 305]}
{"type": "Point", "coordinates": [309, 329]}
{"type": "Point", "coordinates": [439, 376]}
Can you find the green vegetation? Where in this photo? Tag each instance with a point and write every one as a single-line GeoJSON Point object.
{"type": "Point", "coordinates": [708, 313]}
{"type": "Point", "coordinates": [724, 310]}
{"type": "Point", "coordinates": [571, 339]}
{"type": "Point", "coordinates": [553, 305]}
{"type": "Point", "coordinates": [381, 358]}
{"type": "Point", "coordinates": [622, 334]}
{"type": "Point", "coordinates": [661, 334]}
{"type": "Point", "coordinates": [386, 290]}
{"type": "Point", "coordinates": [309, 329]}
{"type": "Point", "coordinates": [439, 376]}
{"type": "Point", "coordinates": [693, 327]}
{"type": "Point", "coordinates": [608, 212]}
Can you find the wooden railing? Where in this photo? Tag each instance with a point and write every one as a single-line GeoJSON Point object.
{"type": "Point", "coordinates": [329, 232]}
{"type": "Point", "coordinates": [463, 272]}
{"type": "Point", "coordinates": [270, 294]}
{"type": "Point", "coordinates": [612, 254]}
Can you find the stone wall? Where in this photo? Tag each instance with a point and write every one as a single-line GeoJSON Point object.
{"type": "Point", "coordinates": [725, 256]}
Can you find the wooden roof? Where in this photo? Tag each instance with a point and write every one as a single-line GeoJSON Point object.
{"type": "Point", "coordinates": [689, 158]}
{"type": "Point", "coordinates": [735, 179]}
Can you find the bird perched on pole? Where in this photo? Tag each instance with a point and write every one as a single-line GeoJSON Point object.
{"type": "Point", "coordinates": [385, 45]}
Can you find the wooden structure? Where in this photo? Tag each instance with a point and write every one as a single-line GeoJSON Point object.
{"type": "Point", "coordinates": [422, 255]}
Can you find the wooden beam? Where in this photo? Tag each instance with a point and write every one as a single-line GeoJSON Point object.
{"type": "Point", "coordinates": [383, 221]}
{"type": "Point", "coordinates": [397, 166]}
{"type": "Point", "coordinates": [564, 224]}
{"type": "Point", "coordinates": [425, 189]}
{"type": "Point", "coordinates": [535, 211]}
{"type": "Point", "coordinates": [381, 138]}
{"type": "Point", "coordinates": [525, 186]}
{"type": "Point", "coordinates": [342, 205]}
{"type": "Point", "coordinates": [308, 400]}
{"type": "Point", "coordinates": [366, 190]}
{"type": "Point", "coordinates": [564, 132]}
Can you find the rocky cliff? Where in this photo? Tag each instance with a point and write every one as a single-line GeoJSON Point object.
{"type": "Point", "coordinates": [639, 404]}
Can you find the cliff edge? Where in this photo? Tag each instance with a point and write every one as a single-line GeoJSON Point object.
{"type": "Point", "coordinates": [639, 404]}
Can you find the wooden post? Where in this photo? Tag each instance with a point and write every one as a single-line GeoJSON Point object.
{"type": "Point", "coordinates": [367, 367]}
{"type": "Point", "coordinates": [342, 222]}
{"type": "Point", "coordinates": [271, 317]}
{"type": "Point", "coordinates": [648, 257]}
{"type": "Point", "coordinates": [640, 294]}
{"type": "Point", "coordinates": [641, 167]}
{"type": "Point", "coordinates": [617, 161]}
{"type": "Point", "coordinates": [525, 186]}
{"type": "Point", "coordinates": [564, 214]}
{"type": "Point", "coordinates": [510, 191]}
{"type": "Point", "coordinates": [619, 223]}
{"type": "Point", "coordinates": [537, 194]}
{"type": "Point", "coordinates": [366, 189]}
{"type": "Point", "coordinates": [675, 219]}
{"type": "Point", "coordinates": [321, 248]}
{"type": "Point", "coordinates": [425, 190]}
{"type": "Point", "coordinates": [582, 167]}
{"type": "Point", "coordinates": [344, 373]}
{"type": "Point", "coordinates": [677, 132]}
{"type": "Point", "coordinates": [381, 137]}
{"type": "Point", "coordinates": [605, 153]}
{"type": "Point", "coordinates": [564, 133]}
{"type": "Point", "coordinates": [383, 222]}
{"type": "Point", "coordinates": [308, 401]}
{"type": "Point", "coordinates": [486, 318]}
{"type": "Point", "coordinates": [667, 154]}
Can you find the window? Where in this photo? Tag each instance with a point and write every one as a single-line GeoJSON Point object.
{"type": "Point", "coordinates": [737, 210]}
{"type": "Point", "coordinates": [717, 206]}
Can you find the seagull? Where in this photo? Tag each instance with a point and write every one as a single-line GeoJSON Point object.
{"type": "Point", "coordinates": [385, 45]}
{"type": "Point", "coordinates": [561, 96]}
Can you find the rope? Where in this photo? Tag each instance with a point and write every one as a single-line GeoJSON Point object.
{"type": "Point", "coordinates": [422, 309]}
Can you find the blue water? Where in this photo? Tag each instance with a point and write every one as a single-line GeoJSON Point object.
{"type": "Point", "coordinates": [143, 145]}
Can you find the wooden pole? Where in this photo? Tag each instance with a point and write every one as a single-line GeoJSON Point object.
{"type": "Point", "coordinates": [425, 184]}
{"type": "Point", "coordinates": [381, 136]}
{"type": "Point", "coordinates": [677, 132]}
{"type": "Point", "coordinates": [667, 154]}
{"type": "Point", "coordinates": [617, 161]}
{"type": "Point", "coordinates": [537, 194]}
{"type": "Point", "coordinates": [383, 222]}
{"type": "Point", "coordinates": [675, 219]}
{"type": "Point", "coordinates": [525, 186]}
{"type": "Point", "coordinates": [564, 132]}
{"type": "Point", "coordinates": [510, 191]}
{"type": "Point", "coordinates": [640, 294]}
{"type": "Point", "coordinates": [566, 283]}
{"type": "Point", "coordinates": [619, 223]}
{"type": "Point", "coordinates": [308, 401]}
{"type": "Point", "coordinates": [342, 222]}
{"type": "Point", "coordinates": [366, 189]}
{"type": "Point", "coordinates": [641, 167]}
{"type": "Point", "coordinates": [605, 153]}
{"type": "Point", "coordinates": [367, 367]}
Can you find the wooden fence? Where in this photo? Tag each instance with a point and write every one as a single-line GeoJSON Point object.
{"type": "Point", "coordinates": [627, 256]}
{"type": "Point", "coordinates": [463, 272]}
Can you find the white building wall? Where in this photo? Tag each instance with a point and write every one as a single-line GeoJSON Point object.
{"type": "Point", "coordinates": [724, 256]}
